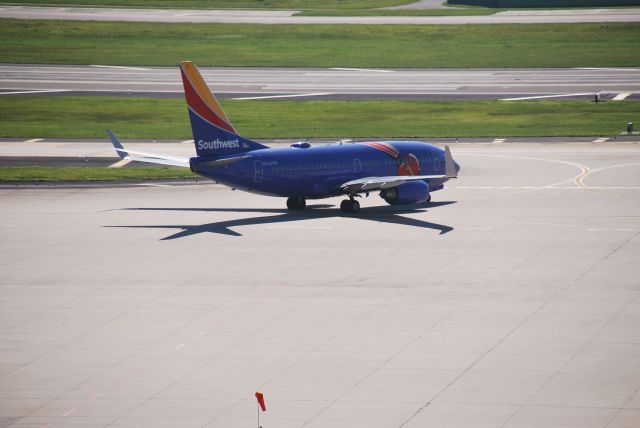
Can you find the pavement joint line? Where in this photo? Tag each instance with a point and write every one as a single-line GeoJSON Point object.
{"type": "Point", "coordinates": [120, 163]}
{"type": "Point", "coordinates": [266, 97]}
{"type": "Point", "coordinates": [120, 67]}
{"type": "Point", "coordinates": [601, 140]}
{"type": "Point", "coordinates": [362, 69]}
{"type": "Point", "coordinates": [69, 412]}
{"type": "Point", "coordinates": [621, 96]}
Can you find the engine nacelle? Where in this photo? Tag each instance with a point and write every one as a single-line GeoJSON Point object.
{"type": "Point", "coordinates": [411, 192]}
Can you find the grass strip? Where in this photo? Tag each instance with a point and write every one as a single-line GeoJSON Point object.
{"type": "Point", "coordinates": [220, 4]}
{"type": "Point", "coordinates": [19, 174]}
{"type": "Point", "coordinates": [377, 46]}
{"type": "Point", "coordinates": [87, 117]}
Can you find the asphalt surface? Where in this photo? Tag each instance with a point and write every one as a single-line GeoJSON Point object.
{"type": "Point", "coordinates": [511, 301]}
{"type": "Point", "coordinates": [286, 17]}
{"type": "Point", "coordinates": [323, 83]}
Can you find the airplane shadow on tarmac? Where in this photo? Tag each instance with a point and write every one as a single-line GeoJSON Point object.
{"type": "Point", "coordinates": [384, 214]}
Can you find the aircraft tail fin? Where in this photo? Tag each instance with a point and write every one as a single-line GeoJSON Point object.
{"type": "Point", "coordinates": [213, 132]}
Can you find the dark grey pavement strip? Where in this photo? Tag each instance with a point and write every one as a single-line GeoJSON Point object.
{"type": "Point", "coordinates": [287, 17]}
{"type": "Point", "coordinates": [329, 83]}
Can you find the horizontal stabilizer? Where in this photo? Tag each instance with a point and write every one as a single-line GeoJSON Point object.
{"type": "Point", "coordinates": [145, 157]}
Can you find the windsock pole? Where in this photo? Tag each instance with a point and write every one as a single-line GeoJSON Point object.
{"type": "Point", "coordinates": [261, 405]}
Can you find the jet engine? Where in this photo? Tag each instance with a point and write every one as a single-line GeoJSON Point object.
{"type": "Point", "coordinates": [410, 192]}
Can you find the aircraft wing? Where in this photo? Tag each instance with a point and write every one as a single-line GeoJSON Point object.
{"type": "Point", "coordinates": [378, 183]}
{"type": "Point", "coordinates": [367, 184]}
{"type": "Point", "coordinates": [146, 157]}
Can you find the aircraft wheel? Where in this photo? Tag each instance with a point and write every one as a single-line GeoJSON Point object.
{"type": "Point", "coordinates": [428, 199]}
{"type": "Point", "coordinates": [349, 206]}
{"type": "Point", "coordinates": [296, 203]}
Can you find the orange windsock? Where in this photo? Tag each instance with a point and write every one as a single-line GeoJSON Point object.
{"type": "Point", "coordinates": [260, 397]}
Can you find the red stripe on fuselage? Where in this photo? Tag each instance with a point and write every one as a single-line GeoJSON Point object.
{"type": "Point", "coordinates": [197, 105]}
{"type": "Point", "coordinates": [387, 148]}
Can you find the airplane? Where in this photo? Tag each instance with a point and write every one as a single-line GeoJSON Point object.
{"type": "Point", "coordinates": [404, 172]}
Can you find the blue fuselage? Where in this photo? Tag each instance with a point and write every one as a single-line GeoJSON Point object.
{"type": "Point", "coordinates": [319, 171]}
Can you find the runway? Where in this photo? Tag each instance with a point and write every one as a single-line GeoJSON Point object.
{"type": "Point", "coordinates": [288, 17]}
{"type": "Point", "coordinates": [512, 300]}
{"type": "Point", "coordinates": [342, 83]}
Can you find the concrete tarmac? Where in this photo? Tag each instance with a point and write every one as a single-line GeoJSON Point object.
{"type": "Point", "coordinates": [422, 4]}
{"type": "Point", "coordinates": [287, 16]}
{"type": "Point", "coordinates": [510, 301]}
{"type": "Point", "coordinates": [324, 83]}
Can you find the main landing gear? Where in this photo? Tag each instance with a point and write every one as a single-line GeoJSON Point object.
{"type": "Point", "coordinates": [347, 206]}
{"type": "Point", "coordinates": [350, 205]}
{"type": "Point", "coordinates": [296, 203]}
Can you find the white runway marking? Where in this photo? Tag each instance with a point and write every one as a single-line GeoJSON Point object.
{"type": "Point", "coordinates": [69, 412]}
{"type": "Point", "coordinates": [187, 142]}
{"type": "Point", "coordinates": [120, 163]}
{"type": "Point", "coordinates": [540, 97]}
{"type": "Point", "coordinates": [180, 346]}
{"type": "Point", "coordinates": [34, 140]}
{"type": "Point", "coordinates": [589, 228]}
{"type": "Point", "coordinates": [266, 97]}
{"type": "Point", "coordinates": [39, 91]}
{"type": "Point", "coordinates": [299, 227]}
{"type": "Point", "coordinates": [362, 69]}
{"type": "Point", "coordinates": [600, 140]}
{"type": "Point", "coordinates": [607, 68]}
{"type": "Point", "coordinates": [621, 96]}
{"type": "Point", "coordinates": [611, 229]}
{"type": "Point", "coordinates": [551, 187]}
{"type": "Point", "coordinates": [499, 140]}
{"type": "Point", "coordinates": [119, 67]}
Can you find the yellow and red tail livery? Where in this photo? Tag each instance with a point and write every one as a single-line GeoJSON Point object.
{"type": "Point", "coordinates": [213, 132]}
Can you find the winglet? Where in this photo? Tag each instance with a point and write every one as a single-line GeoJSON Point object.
{"type": "Point", "coordinates": [449, 164]}
{"type": "Point", "coordinates": [122, 153]}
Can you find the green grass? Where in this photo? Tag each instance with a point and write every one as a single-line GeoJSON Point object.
{"type": "Point", "coordinates": [221, 4]}
{"type": "Point", "coordinates": [87, 117]}
{"type": "Point", "coordinates": [401, 46]}
{"type": "Point", "coordinates": [40, 173]}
